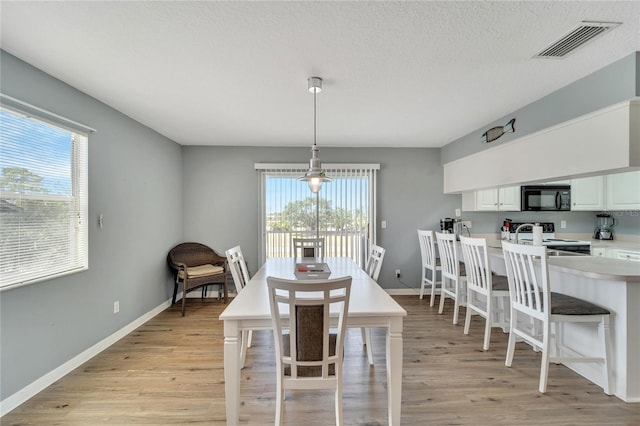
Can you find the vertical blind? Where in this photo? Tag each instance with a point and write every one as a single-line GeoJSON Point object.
{"type": "Point", "coordinates": [343, 212]}
{"type": "Point", "coordinates": [43, 199]}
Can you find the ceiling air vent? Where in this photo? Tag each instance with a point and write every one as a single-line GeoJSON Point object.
{"type": "Point", "coordinates": [579, 36]}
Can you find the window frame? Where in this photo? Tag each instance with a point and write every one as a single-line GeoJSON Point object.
{"type": "Point", "coordinates": [75, 257]}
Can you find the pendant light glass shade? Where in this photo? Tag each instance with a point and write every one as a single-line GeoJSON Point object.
{"type": "Point", "coordinates": [315, 175]}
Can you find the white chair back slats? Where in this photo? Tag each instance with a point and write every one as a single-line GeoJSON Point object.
{"type": "Point", "coordinates": [529, 290]}
{"type": "Point", "coordinates": [430, 266]}
{"type": "Point", "coordinates": [307, 247]}
{"type": "Point", "coordinates": [238, 267]}
{"type": "Point", "coordinates": [476, 263]}
{"type": "Point", "coordinates": [453, 282]}
{"type": "Point", "coordinates": [485, 297]}
{"type": "Point", "coordinates": [374, 262]}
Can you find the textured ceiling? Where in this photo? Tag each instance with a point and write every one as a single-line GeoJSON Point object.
{"type": "Point", "coordinates": [396, 74]}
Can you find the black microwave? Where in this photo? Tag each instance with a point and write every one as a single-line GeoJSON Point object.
{"type": "Point", "coordinates": [546, 198]}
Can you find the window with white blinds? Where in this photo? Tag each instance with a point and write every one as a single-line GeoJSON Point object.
{"type": "Point", "coordinates": [43, 199]}
{"type": "Point", "coordinates": [343, 212]}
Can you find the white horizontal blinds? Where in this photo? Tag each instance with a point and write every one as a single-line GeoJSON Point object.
{"type": "Point", "coordinates": [346, 208]}
{"type": "Point", "coordinates": [43, 199]}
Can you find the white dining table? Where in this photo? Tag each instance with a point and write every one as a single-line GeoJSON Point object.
{"type": "Point", "coordinates": [369, 306]}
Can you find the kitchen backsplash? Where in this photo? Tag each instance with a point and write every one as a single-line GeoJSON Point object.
{"type": "Point", "coordinates": [627, 222]}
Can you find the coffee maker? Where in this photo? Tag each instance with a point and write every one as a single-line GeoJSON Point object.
{"type": "Point", "coordinates": [604, 227]}
{"type": "Point", "coordinates": [451, 226]}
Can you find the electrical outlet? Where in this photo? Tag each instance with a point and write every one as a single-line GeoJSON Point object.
{"type": "Point", "coordinates": [458, 213]}
{"type": "Point", "coordinates": [116, 306]}
{"type": "Point", "coordinates": [563, 224]}
{"type": "Point", "coordinates": [397, 273]}
{"type": "Point", "coordinates": [466, 224]}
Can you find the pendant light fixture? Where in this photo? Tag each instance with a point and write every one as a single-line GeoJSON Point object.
{"type": "Point", "coordinates": [315, 175]}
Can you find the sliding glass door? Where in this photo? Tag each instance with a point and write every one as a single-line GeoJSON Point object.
{"type": "Point", "coordinates": [343, 212]}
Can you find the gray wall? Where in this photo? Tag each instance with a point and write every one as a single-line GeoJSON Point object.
{"type": "Point", "coordinates": [135, 181]}
{"type": "Point", "coordinates": [614, 83]}
{"type": "Point", "coordinates": [409, 197]}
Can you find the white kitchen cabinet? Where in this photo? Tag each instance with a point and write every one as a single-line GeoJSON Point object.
{"type": "Point", "coordinates": [509, 199]}
{"type": "Point", "coordinates": [487, 200]}
{"type": "Point", "coordinates": [501, 199]}
{"type": "Point", "coordinates": [616, 253]}
{"type": "Point", "coordinates": [628, 255]}
{"type": "Point", "coordinates": [587, 194]}
{"type": "Point", "coordinates": [623, 191]}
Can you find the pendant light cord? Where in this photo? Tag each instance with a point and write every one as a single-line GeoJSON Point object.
{"type": "Point", "coordinates": [314, 144]}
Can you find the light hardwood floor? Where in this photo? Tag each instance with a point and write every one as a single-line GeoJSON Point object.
{"type": "Point", "coordinates": [170, 371]}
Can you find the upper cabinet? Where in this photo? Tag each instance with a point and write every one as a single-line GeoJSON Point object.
{"type": "Point", "coordinates": [509, 199]}
{"type": "Point", "coordinates": [501, 199]}
{"type": "Point", "coordinates": [606, 141]}
{"type": "Point", "coordinates": [612, 192]}
{"type": "Point", "coordinates": [619, 191]}
{"type": "Point", "coordinates": [587, 194]}
{"type": "Point", "coordinates": [623, 191]}
{"type": "Point", "coordinates": [486, 200]}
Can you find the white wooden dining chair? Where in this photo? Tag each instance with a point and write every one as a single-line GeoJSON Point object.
{"type": "Point", "coordinates": [374, 261]}
{"type": "Point", "coordinates": [240, 274]}
{"type": "Point", "coordinates": [532, 303]}
{"type": "Point", "coordinates": [487, 294]}
{"type": "Point", "coordinates": [453, 275]}
{"type": "Point", "coordinates": [372, 268]}
{"type": "Point", "coordinates": [310, 355]}
{"type": "Point", "coordinates": [430, 263]}
{"type": "Point", "coordinates": [307, 247]}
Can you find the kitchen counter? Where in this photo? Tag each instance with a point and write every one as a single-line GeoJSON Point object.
{"type": "Point", "coordinates": [602, 268]}
{"type": "Point", "coordinates": [611, 283]}
{"type": "Point", "coordinates": [586, 266]}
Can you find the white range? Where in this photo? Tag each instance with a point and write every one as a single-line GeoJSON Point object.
{"type": "Point", "coordinates": [549, 239]}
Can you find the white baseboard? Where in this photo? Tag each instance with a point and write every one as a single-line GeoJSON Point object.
{"type": "Point", "coordinates": [13, 401]}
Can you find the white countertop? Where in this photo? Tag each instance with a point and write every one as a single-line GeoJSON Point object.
{"type": "Point", "coordinates": [589, 266]}
{"type": "Point", "coordinates": [598, 267]}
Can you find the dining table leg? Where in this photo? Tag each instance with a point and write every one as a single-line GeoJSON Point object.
{"type": "Point", "coordinates": [232, 371]}
{"type": "Point", "coordinates": [394, 370]}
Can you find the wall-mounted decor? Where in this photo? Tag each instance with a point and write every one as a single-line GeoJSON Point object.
{"type": "Point", "coordinates": [495, 132]}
